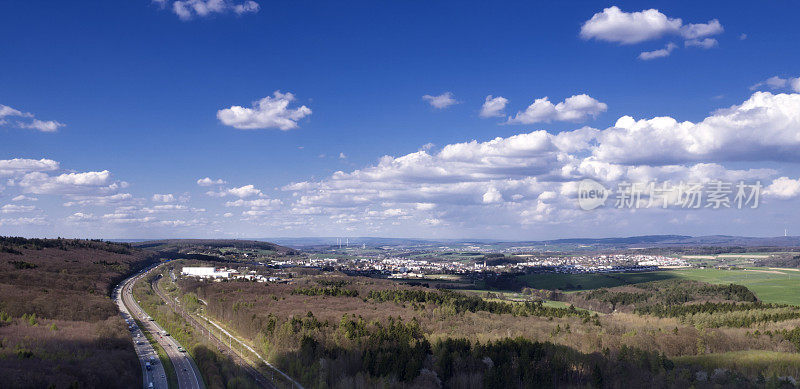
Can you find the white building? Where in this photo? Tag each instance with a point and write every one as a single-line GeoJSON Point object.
{"type": "Point", "coordinates": [205, 272]}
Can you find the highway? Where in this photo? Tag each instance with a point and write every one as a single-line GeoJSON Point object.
{"type": "Point", "coordinates": [185, 369]}
{"type": "Point", "coordinates": [144, 349]}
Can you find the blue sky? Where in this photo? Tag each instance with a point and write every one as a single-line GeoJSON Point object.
{"type": "Point", "coordinates": [139, 90]}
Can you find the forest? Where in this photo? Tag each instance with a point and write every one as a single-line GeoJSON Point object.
{"type": "Point", "coordinates": [58, 326]}
{"type": "Point", "coordinates": [327, 329]}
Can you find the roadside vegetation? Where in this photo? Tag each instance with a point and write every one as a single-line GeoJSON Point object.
{"type": "Point", "coordinates": [218, 370]}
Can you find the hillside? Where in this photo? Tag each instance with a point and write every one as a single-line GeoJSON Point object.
{"type": "Point", "coordinates": [212, 247]}
{"type": "Point", "coordinates": [58, 325]}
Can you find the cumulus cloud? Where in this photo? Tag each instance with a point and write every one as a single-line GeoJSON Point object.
{"type": "Point", "coordinates": [164, 198]}
{"type": "Point", "coordinates": [126, 218]}
{"type": "Point", "coordinates": [258, 203]}
{"type": "Point", "coordinates": [764, 127]}
{"type": "Point", "coordinates": [493, 106]}
{"type": "Point", "coordinates": [529, 179]}
{"type": "Point", "coordinates": [441, 101]}
{"type": "Point", "coordinates": [81, 217]}
{"type": "Point", "coordinates": [190, 9]}
{"type": "Point", "coordinates": [661, 53]}
{"type": "Point", "coordinates": [68, 183]}
{"type": "Point", "coordinates": [101, 200]}
{"type": "Point", "coordinates": [16, 166]}
{"type": "Point", "coordinates": [783, 188]}
{"type": "Point", "coordinates": [576, 108]}
{"type": "Point", "coordinates": [269, 112]}
{"type": "Point", "coordinates": [241, 192]}
{"type": "Point", "coordinates": [615, 25]}
{"type": "Point", "coordinates": [210, 182]}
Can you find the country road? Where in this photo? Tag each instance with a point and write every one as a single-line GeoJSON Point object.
{"type": "Point", "coordinates": [185, 369]}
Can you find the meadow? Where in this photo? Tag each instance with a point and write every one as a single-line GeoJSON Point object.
{"type": "Point", "coordinates": [781, 286]}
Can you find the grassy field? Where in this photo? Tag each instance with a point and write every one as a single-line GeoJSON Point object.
{"type": "Point", "coordinates": [770, 285]}
{"type": "Point", "coordinates": [773, 286]}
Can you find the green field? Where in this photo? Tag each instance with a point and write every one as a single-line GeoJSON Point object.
{"type": "Point", "coordinates": [774, 286]}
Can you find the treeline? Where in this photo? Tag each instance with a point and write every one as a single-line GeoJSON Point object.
{"type": "Point", "coordinates": [711, 314]}
{"type": "Point", "coordinates": [12, 244]}
{"type": "Point", "coordinates": [334, 291]}
{"type": "Point", "coordinates": [667, 293]}
{"type": "Point", "coordinates": [463, 303]}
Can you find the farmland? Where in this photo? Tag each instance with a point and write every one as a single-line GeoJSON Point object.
{"type": "Point", "coordinates": [770, 285]}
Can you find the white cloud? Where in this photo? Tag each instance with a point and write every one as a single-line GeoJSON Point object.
{"type": "Point", "coordinates": [241, 192]}
{"type": "Point", "coordinates": [765, 127]}
{"type": "Point", "coordinates": [776, 83]}
{"type": "Point", "coordinates": [700, 30]}
{"type": "Point", "coordinates": [43, 126]}
{"type": "Point", "coordinates": [342, 156]}
{"type": "Point", "coordinates": [661, 53]}
{"type": "Point", "coordinates": [706, 43]}
{"type": "Point", "coordinates": [14, 208]}
{"type": "Point", "coordinates": [69, 183]}
{"type": "Point", "coordinates": [258, 203]}
{"type": "Point", "coordinates": [103, 200]}
{"type": "Point", "coordinates": [35, 124]}
{"type": "Point", "coordinates": [190, 9]}
{"type": "Point", "coordinates": [492, 196]}
{"type": "Point", "coordinates": [529, 179]}
{"type": "Point", "coordinates": [164, 198]}
{"type": "Point", "coordinates": [244, 191]}
{"type": "Point", "coordinates": [441, 101]}
{"type": "Point", "coordinates": [81, 217]}
{"type": "Point", "coordinates": [24, 221]}
{"type": "Point", "coordinates": [493, 106]}
{"type": "Point", "coordinates": [24, 198]}
{"type": "Point", "coordinates": [8, 111]}
{"type": "Point", "coordinates": [16, 166]}
{"type": "Point", "coordinates": [576, 108]}
{"type": "Point", "coordinates": [783, 188]}
{"type": "Point", "coordinates": [615, 25]}
{"type": "Point", "coordinates": [168, 207]}
{"type": "Point", "coordinates": [269, 112]}
{"type": "Point", "coordinates": [210, 182]}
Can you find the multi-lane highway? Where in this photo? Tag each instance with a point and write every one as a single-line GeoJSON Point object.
{"type": "Point", "coordinates": [155, 376]}
{"type": "Point", "coordinates": [187, 373]}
